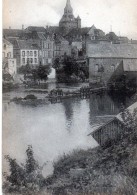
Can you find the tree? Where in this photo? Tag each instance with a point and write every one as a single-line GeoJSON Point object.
{"type": "Point", "coordinates": [23, 178]}
{"type": "Point", "coordinates": [43, 72]}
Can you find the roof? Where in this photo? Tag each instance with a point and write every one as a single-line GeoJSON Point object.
{"type": "Point", "coordinates": [36, 28]}
{"type": "Point", "coordinates": [6, 42]}
{"type": "Point", "coordinates": [26, 45]}
{"type": "Point", "coordinates": [59, 39]}
{"type": "Point", "coordinates": [117, 117]}
{"type": "Point", "coordinates": [130, 65]}
{"type": "Point", "coordinates": [41, 35]}
{"type": "Point", "coordinates": [14, 42]}
{"type": "Point", "coordinates": [131, 110]}
{"type": "Point", "coordinates": [13, 32]}
{"type": "Point", "coordinates": [112, 50]}
{"type": "Point", "coordinates": [53, 29]}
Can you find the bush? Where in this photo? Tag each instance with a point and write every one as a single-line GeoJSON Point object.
{"type": "Point", "coordinates": [30, 97]}
{"type": "Point", "coordinates": [24, 179]}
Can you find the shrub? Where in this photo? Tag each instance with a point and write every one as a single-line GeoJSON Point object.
{"type": "Point", "coordinates": [24, 179]}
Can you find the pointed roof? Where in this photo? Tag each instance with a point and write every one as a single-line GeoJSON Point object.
{"type": "Point", "coordinates": [68, 8]}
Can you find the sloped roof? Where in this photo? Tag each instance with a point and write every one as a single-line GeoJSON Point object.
{"type": "Point", "coordinates": [130, 65]}
{"type": "Point", "coordinates": [59, 39]}
{"type": "Point", "coordinates": [117, 117]}
{"type": "Point", "coordinates": [53, 30]}
{"type": "Point", "coordinates": [14, 42]}
{"type": "Point", "coordinates": [36, 28]}
{"type": "Point", "coordinates": [130, 109]}
{"type": "Point", "coordinates": [41, 35]}
{"type": "Point", "coordinates": [26, 45]}
{"type": "Point", "coordinates": [112, 50]}
{"type": "Point", "coordinates": [13, 32]}
{"type": "Point", "coordinates": [6, 42]}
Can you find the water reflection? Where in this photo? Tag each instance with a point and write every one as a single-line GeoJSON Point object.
{"type": "Point", "coordinates": [53, 129]}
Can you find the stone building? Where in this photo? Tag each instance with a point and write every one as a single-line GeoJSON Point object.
{"type": "Point", "coordinates": [8, 60]}
{"type": "Point", "coordinates": [68, 21]}
{"type": "Point", "coordinates": [103, 59]}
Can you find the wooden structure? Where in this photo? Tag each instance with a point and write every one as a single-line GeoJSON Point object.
{"type": "Point", "coordinates": [111, 131]}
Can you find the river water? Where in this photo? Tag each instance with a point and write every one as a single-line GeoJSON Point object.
{"type": "Point", "coordinates": [53, 129]}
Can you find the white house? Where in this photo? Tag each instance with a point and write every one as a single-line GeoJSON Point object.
{"type": "Point", "coordinates": [29, 54]}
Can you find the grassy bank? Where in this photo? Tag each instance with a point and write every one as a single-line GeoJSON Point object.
{"type": "Point", "coordinates": [111, 170]}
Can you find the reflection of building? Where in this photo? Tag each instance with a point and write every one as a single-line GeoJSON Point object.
{"type": "Point", "coordinates": [9, 63]}
{"type": "Point", "coordinates": [68, 108]}
{"type": "Point", "coordinates": [103, 59]}
{"type": "Point", "coordinates": [68, 21]}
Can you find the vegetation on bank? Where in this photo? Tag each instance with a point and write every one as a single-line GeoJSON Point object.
{"type": "Point", "coordinates": [39, 73]}
{"type": "Point", "coordinates": [68, 70]}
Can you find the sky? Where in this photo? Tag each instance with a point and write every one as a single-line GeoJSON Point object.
{"type": "Point", "coordinates": [119, 16]}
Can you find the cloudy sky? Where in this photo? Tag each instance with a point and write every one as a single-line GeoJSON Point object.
{"type": "Point", "coordinates": [120, 14]}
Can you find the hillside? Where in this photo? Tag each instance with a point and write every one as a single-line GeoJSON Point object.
{"type": "Point", "coordinates": [110, 170]}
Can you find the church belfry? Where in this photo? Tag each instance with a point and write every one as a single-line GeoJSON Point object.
{"type": "Point", "coordinates": [68, 21]}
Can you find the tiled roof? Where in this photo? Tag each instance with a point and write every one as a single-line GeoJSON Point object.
{"type": "Point", "coordinates": [112, 50]}
{"type": "Point", "coordinates": [26, 45]}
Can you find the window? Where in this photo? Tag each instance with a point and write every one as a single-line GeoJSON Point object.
{"type": "Point", "coordinates": [31, 60]}
{"type": "Point", "coordinates": [35, 53]}
{"type": "Point", "coordinates": [96, 68]}
{"type": "Point", "coordinates": [23, 60]}
{"type": "Point", "coordinates": [27, 53]}
{"type": "Point", "coordinates": [3, 54]}
{"type": "Point", "coordinates": [9, 55]}
{"type": "Point", "coordinates": [27, 60]}
{"type": "Point", "coordinates": [49, 45]}
{"type": "Point", "coordinates": [112, 67]}
{"type": "Point", "coordinates": [36, 61]}
{"type": "Point", "coordinates": [31, 53]}
{"type": "Point", "coordinates": [49, 54]}
{"type": "Point", "coordinates": [4, 46]}
{"type": "Point", "coordinates": [23, 53]}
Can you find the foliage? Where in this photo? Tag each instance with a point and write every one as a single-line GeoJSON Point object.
{"type": "Point", "coordinates": [129, 118]}
{"type": "Point", "coordinates": [68, 70]}
{"type": "Point", "coordinates": [41, 72]}
{"type": "Point", "coordinates": [25, 179]}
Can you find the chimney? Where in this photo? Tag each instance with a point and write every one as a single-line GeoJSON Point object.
{"type": "Point", "coordinates": [9, 27]}
{"type": "Point", "coordinates": [22, 27]}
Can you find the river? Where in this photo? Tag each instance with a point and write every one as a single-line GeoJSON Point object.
{"type": "Point", "coordinates": [53, 129]}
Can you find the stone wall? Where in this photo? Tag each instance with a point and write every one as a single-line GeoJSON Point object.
{"type": "Point", "coordinates": [101, 69]}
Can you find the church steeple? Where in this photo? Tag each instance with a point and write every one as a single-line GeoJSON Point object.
{"type": "Point", "coordinates": [68, 8]}
{"type": "Point", "coordinates": [68, 21]}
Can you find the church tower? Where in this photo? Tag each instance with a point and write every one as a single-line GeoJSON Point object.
{"type": "Point", "coordinates": [68, 21]}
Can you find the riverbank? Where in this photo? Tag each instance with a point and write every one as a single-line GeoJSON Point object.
{"type": "Point", "coordinates": [111, 170]}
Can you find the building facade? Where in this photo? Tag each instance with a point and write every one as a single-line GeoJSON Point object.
{"type": "Point", "coordinates": [9, 62]}
{"type": "Point", "coordinates": [28, 54]}
{"type": "Point", "coordinates": [103, 59]}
